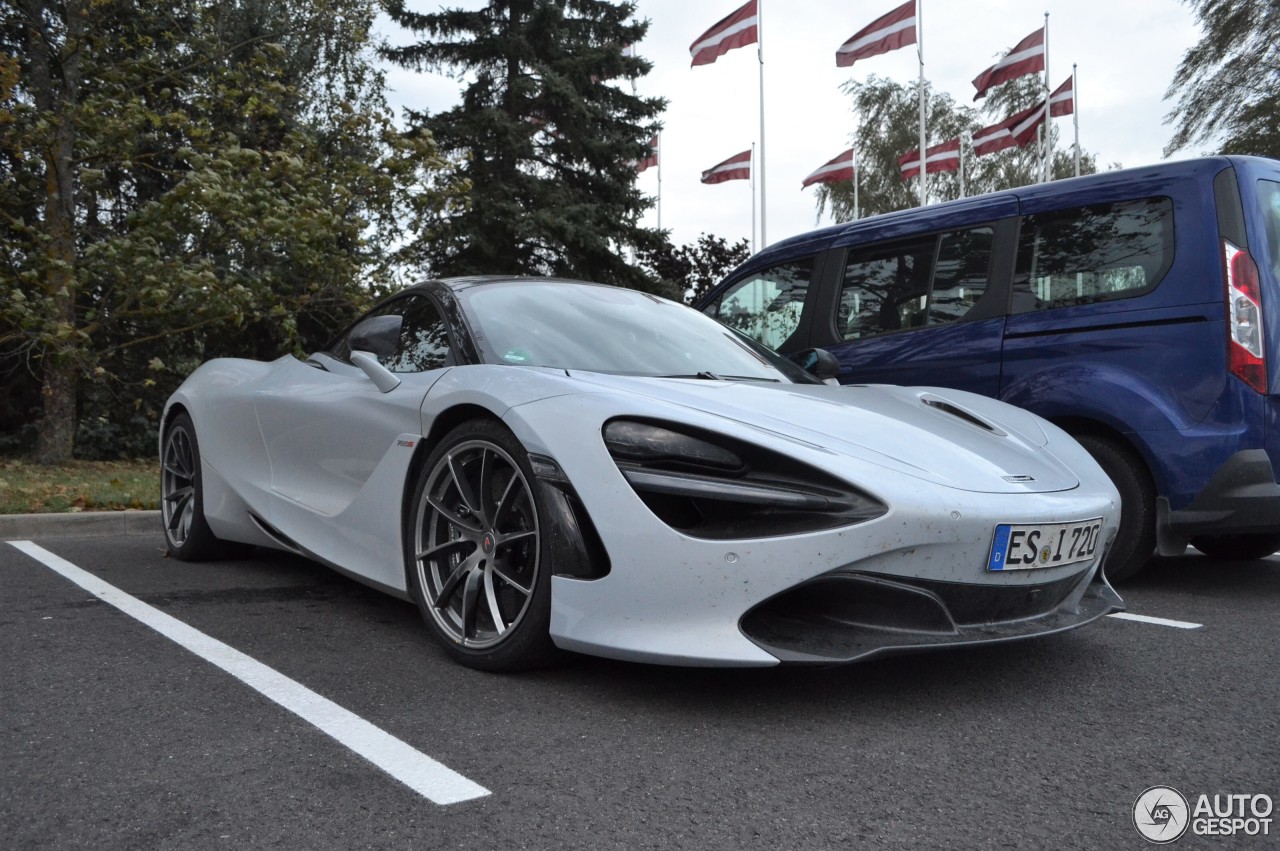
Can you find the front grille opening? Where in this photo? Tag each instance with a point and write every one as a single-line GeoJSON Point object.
{"type": "Point", "coordinates": [723, 519]}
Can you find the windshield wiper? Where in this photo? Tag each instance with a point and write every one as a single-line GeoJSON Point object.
{"type": "Point", "coordinates": [704, 375]}
{"type": "Point", "coordinates": [707, 375]}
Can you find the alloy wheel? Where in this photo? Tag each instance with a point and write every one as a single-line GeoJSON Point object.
{"type": "Point", "coordinates": [476, 544]}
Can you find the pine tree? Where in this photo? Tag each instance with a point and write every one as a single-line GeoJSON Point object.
{"type": "Point", "coordinates": [548, 133]}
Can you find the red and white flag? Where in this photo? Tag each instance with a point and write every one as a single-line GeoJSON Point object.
{"type": "Point", "coordinates": [1015, 131]}
{"type": "Point", "coordinates": [1027, 57]}
{"type": "Point", "coordinates": [834, 170]}
{"type": "Point", "coordinates": [652, 159]}
{"type": "Point", "coordinates": [888, 32]}
{"type": "Point", "coordinates": [1024, 131]}
{"type": "Point", "coordinates": [944, 157]}
{"type": "Point", "coordinates": [737, 167]}
{"type": "Point", "coordinates": [736, 30]}
{"type": "Point", "coordinates": [1063, 99]}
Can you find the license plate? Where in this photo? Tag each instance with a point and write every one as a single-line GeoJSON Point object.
{"type": "Point", "coordinates": [1030, 546]}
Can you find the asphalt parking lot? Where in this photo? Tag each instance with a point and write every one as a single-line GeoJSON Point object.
{"type": "Point", "coordinates": [116, 736]}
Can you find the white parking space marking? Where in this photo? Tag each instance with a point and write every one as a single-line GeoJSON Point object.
{"type": "Point", "coordinates": [1125, 616]}
{"type": "Point", "coordinates": [419, 772]}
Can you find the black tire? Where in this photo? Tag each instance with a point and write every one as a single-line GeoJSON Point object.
{"type": "Point", "coordinates": [186, 532]}
{"type": "Point", "coordinates": [1242, 547]}
{"type": "Point", "coordinates": [1136, 541]}
{"type": "Point", "coordinates": [478, 561]}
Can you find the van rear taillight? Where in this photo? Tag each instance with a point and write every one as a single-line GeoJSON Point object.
{"type": "Point", "coordinates": [1245, 355]}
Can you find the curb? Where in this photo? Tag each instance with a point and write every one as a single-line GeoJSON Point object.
{"type": "Point", "coordinates": [79, 524]}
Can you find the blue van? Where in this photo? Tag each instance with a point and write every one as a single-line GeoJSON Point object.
{"type": "Point", "coordinates": [1138, 309]}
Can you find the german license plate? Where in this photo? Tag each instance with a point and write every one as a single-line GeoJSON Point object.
{"type": "Point", "coordinates": [1031, 546]}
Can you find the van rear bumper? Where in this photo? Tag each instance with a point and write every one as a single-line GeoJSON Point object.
{"type": "Point", "coordinates": [1242, 497]}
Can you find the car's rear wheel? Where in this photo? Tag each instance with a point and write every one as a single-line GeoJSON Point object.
{"type": "Point", "coordinates": [476, 552]}
{"type": "Point", "coordinates": [1243, 547]}
{"type": "Point", "coordinates": [186, 532]}
{"type": "Point", "coordinates": [1136, 541]}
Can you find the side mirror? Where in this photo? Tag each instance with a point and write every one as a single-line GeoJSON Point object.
{"type": "Point", "coordinates": [819, 363]}
{"type": "Point", "coordinates": [377, 334]}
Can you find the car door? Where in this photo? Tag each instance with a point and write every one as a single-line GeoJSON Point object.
{"type": "Point", "coordinates": [926, 309]}
{"type": "Point", "coordinates": [326, 424]}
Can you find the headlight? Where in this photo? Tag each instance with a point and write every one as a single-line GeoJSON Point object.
{"type": "Point", "coordinates": [711, 486]}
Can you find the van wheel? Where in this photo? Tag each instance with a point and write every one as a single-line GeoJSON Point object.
{"type": "Point", "coordinates": [1136, 540]}
{"type": "Point", "coordinates": [1237, 547]}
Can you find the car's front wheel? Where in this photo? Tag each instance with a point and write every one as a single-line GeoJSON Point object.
{"type": "Point", "coordinates": [1244, 547]}
{"type": "Point", "coordinates": [475, 550]}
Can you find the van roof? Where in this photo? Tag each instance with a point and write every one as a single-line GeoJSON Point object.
{"type": "Point", "coordinates": [1161, 171]}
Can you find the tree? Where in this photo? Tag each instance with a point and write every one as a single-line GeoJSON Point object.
{"type": "Point", "coordinates": [690, 271]}
{"type": "Point", "coordinates": [889, 116]}
{"type": "Point", "coordinates": [1227, 87]}
{"type": "Point", "coordinates": [545, 136]}
{"type": "Point", "coordinates": [187, 180]}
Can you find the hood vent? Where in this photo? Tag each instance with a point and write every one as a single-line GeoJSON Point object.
{"type": "Point", "coordinates": [947, 407]}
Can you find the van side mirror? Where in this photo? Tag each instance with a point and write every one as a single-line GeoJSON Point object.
{"type": "Point", "coordinates": [379, 335]}
{"type": "Point", "coordinates": [819, 363]}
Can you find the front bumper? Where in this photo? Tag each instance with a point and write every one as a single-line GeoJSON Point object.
{"type": "Point", "coordinates": [1242, 497]}
{"type": "Point", "coordinates": [849, 616]}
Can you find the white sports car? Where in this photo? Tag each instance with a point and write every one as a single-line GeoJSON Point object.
{"type": "Point", "coordinates": [545, 464]}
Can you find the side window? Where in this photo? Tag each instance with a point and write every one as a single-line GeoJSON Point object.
{"type": "Point", "coordinates": [766, 306]}
{"type": "Point", "coordinates": [1094, 253]}
{"type": "Point", "coordinates": [913, 283]}
{"type": "Point", "coordinates": [424, 341]}
{"type": "Point", "coordinates": [1269, 196]}
{"type": "Point", "coordinates": [961, 274]}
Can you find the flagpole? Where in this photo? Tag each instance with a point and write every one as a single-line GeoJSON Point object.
{"type": "Point", "coordinates": [924, 181]}
{"type": "Point", "coordinates": [853, 161]}
{"type": "Point", "coordinates": [760, 54]}
{"type": "Point", "coordinates": [1075, 117]}
{"type": "Point", "coordinates": [753, 197]}
{"type": "Point", "coordinates": [963, 194]}
{"type": "Point", "coordinates": [659, 180]}
{"type": "Point", "coordinates": [1046, 168]}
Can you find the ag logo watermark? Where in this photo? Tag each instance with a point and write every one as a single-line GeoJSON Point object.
{"type": "Point", "coordinates": [1162, 815]}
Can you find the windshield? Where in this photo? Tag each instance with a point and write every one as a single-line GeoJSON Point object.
{"type": "Point", "coordinates": [608, 329]}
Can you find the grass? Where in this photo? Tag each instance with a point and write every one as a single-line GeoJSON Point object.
{"type": "Point", "coordinates": [78, 486]}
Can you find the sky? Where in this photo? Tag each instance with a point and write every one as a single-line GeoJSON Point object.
{"type": "Point", "coordinates": [1126, 52]}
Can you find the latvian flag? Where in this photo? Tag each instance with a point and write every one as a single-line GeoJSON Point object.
{"type": "Point", "coordinates": [1014, 132]}
{"type": "Point", "coordinates": [1063, 100]}
{"type": "Point", "coordinates": [737, 167]}
{"type": "Point", "coordinates": [888, 32]}
{"type": "Point", "coordinates": [944, 157]}
{"type": "Point", "coordinates": [652, 159]}
{"type": "Point", "coordinates": [835, 170]}
{"type": "Point", "coordinates": [737, 30]}
{"type": "Point", "coordinates": [1027, 57]}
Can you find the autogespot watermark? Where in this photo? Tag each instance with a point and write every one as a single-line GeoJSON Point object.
{"type": "Point", "coordinates": [1162, 815]}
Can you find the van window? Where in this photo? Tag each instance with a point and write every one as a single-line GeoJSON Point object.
{"type": "Point", "coordinates": [766, 305]}
{"type": "Point", "coordinates": [912, 283]}
{"type": "Point", "coordinates": [1093, 253]}
{"type": "Point", "coordinates": [1269, 195]}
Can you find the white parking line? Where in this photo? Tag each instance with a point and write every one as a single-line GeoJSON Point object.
{"type": "Point", "coordinates": [419, 772]}
{"type": "Point", "coordinates": [1125, 616]}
